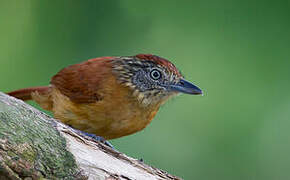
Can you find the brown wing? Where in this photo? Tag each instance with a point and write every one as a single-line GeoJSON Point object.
{"type": "Point", "coordinates": [82, 82]}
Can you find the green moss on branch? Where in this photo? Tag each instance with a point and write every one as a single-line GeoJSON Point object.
{"type": "Point", "coordinates": [30, 145]}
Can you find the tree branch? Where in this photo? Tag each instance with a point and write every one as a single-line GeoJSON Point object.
{"type": "Point", "coordinates": [34, 146]}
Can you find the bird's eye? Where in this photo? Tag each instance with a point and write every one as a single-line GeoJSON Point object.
{"type": "Point", "coordinates": [155, 74]}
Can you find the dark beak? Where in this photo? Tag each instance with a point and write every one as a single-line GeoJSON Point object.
{"type": "Point", "coordinates": [186, 87]}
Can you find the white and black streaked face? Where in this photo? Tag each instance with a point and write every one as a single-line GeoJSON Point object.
{"type": "Point", "coordinates": [153, 78]}
{"type": "Point", "coordinates": [150, 82]}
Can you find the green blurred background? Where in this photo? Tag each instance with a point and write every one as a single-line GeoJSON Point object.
{"type": "Point", "coordinates": [236, 51]}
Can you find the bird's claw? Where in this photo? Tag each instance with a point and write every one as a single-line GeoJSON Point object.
{"type": "Point", "coordinates": [98, 138]}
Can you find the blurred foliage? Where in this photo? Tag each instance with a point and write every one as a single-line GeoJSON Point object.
{"type": "Point", "coordinates": [236, 51]}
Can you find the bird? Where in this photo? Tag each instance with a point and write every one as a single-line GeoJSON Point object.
{"type": "Point", "coordinates": [110, 97]}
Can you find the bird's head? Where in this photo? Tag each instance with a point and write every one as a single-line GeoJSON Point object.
{"type": "Point", "coordinates": [152, 79]}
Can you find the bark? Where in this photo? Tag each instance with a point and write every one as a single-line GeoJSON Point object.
{"type": "Point", "coordinates": [36, 146]}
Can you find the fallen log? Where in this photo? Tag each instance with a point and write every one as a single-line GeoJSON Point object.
{"type": "Point", "coordinates": [36, 146]}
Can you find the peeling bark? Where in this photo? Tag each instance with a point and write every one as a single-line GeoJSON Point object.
{"type": "Point", "coordinates": [36, 146]}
